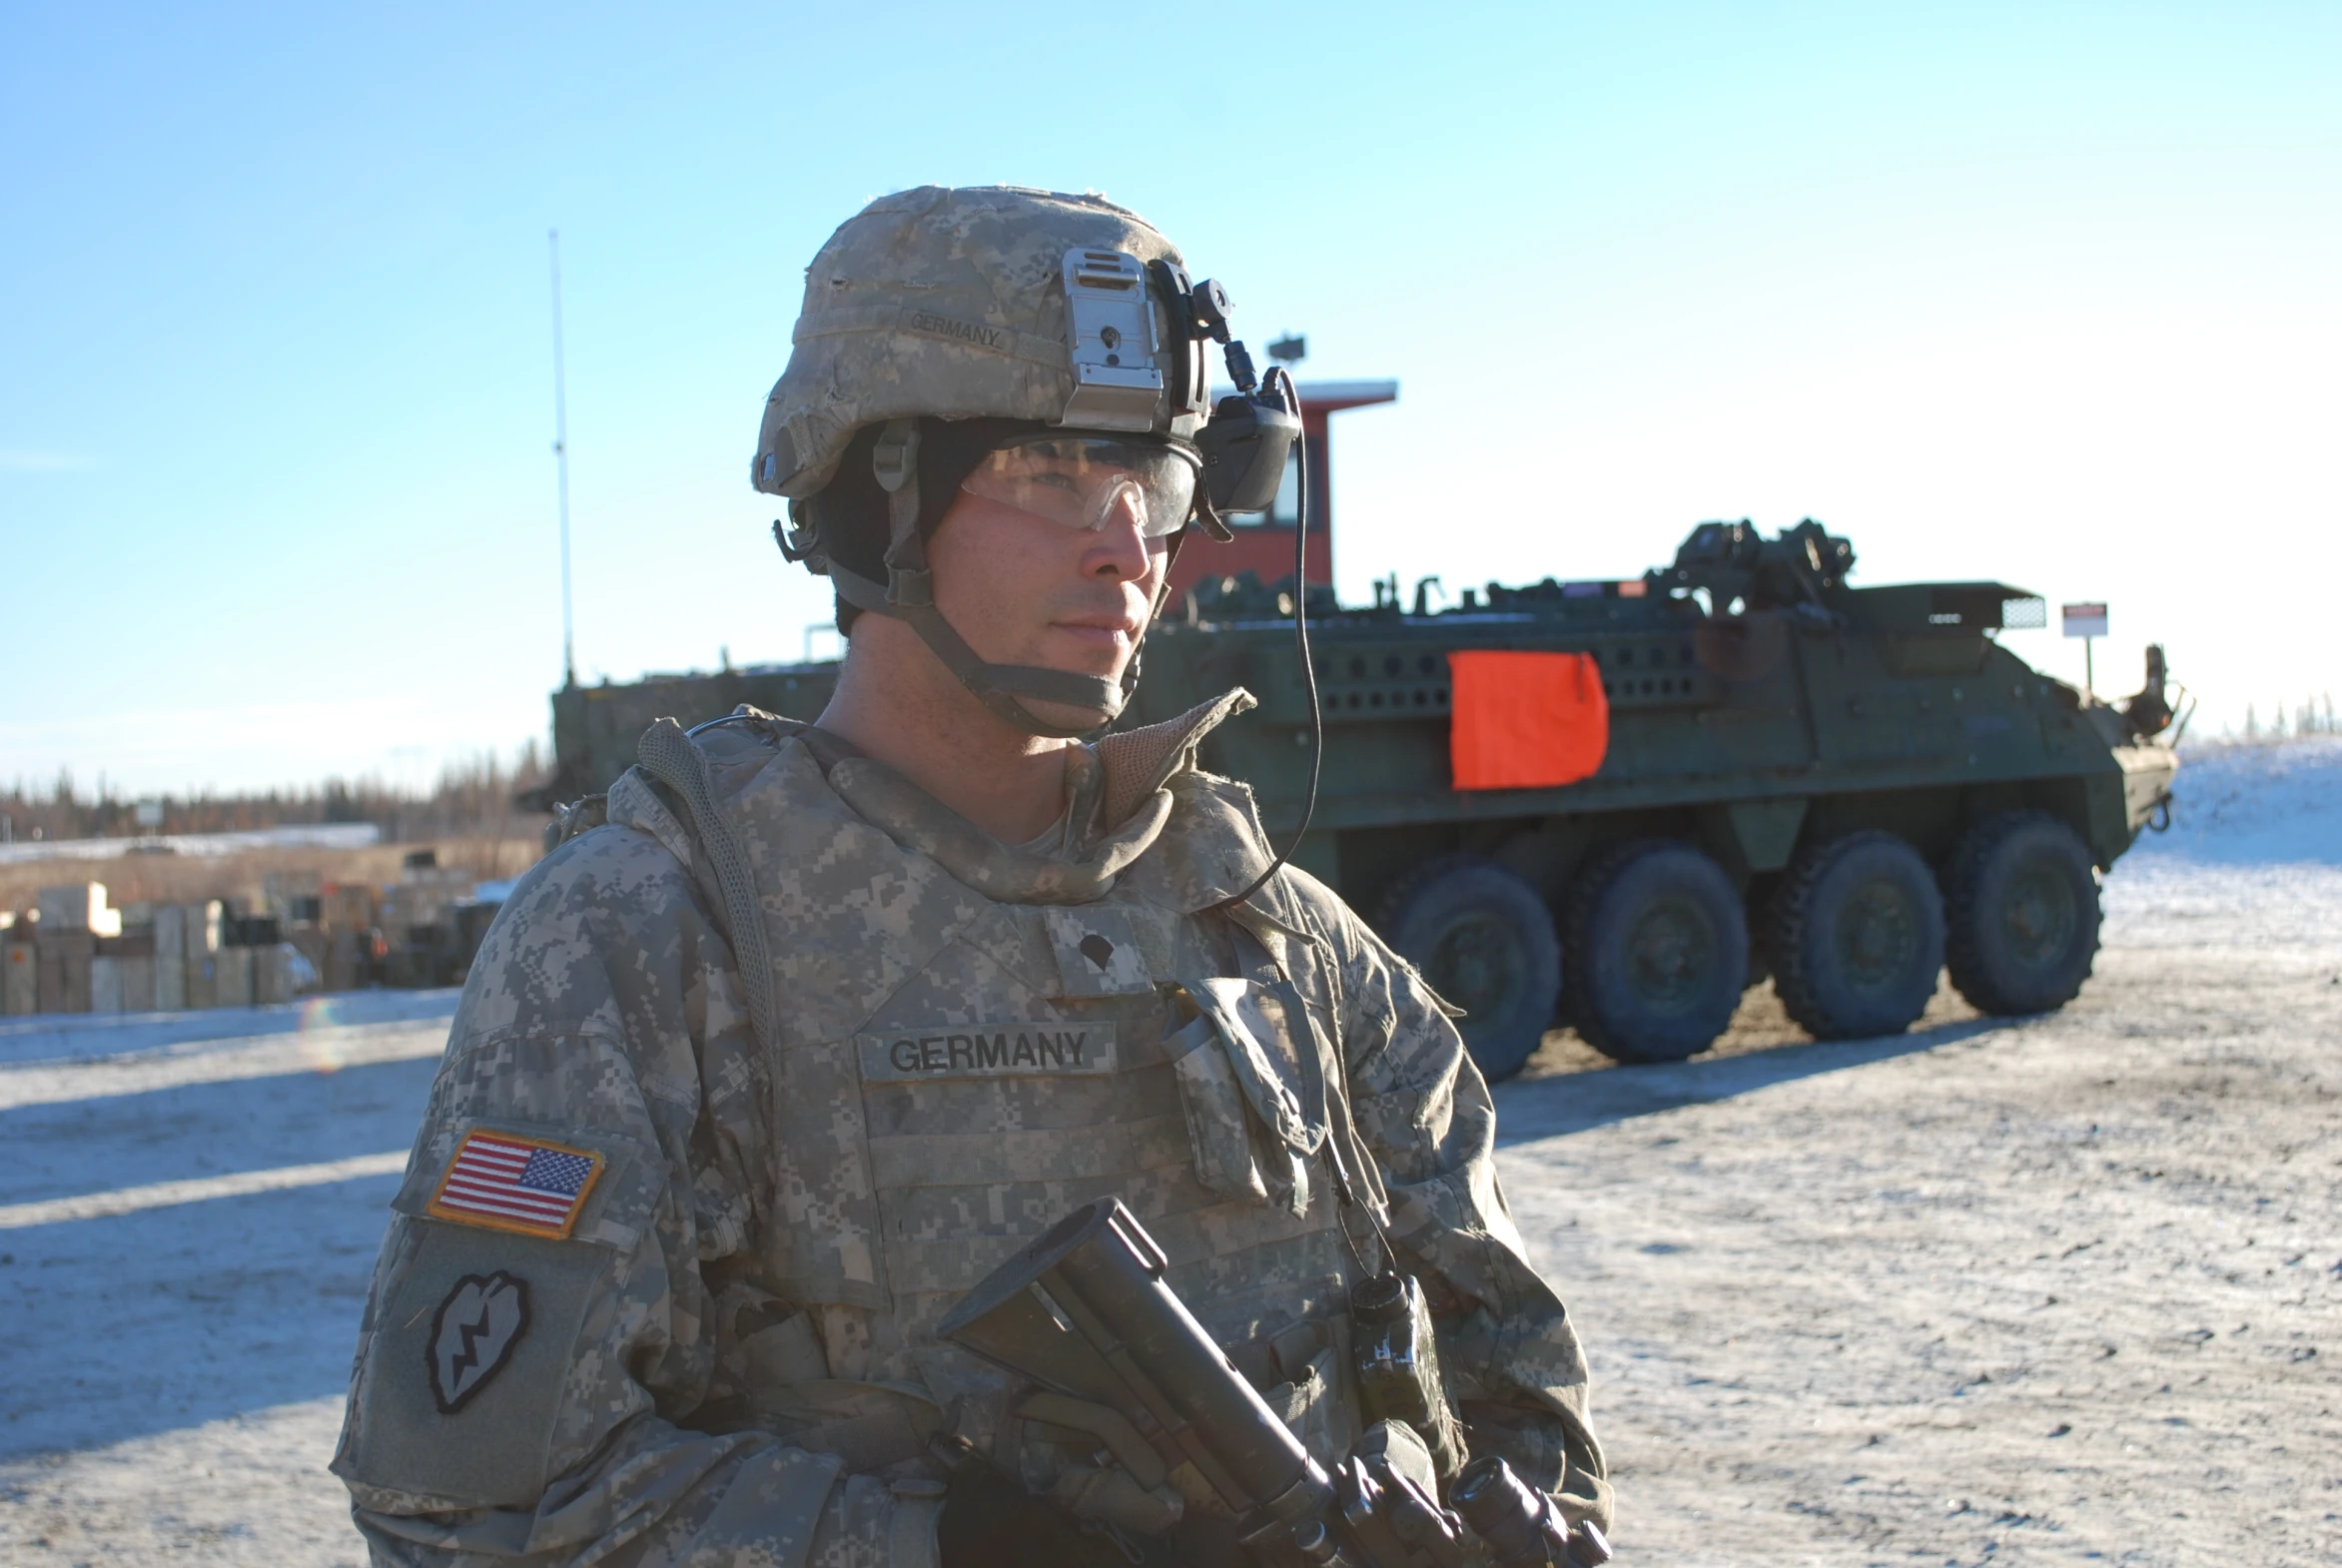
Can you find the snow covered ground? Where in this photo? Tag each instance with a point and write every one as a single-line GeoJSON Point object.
{"type": "Point", "coordinates": [2062, 1290]}
{"type": "Point", "coordinates": [188, 1211]}
{"type": "Point", "coordinates": [2254, 858]}
{"type": "Point", "coordinates": [319, 835]}
{"type": "Point", "coordinates": [2065, 1290]}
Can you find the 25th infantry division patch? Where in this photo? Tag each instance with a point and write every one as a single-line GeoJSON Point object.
{"type": "Point", "coordinates": [473, 1333]}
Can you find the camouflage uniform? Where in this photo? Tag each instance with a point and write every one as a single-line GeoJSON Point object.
{"type": "Point", "coordinates": [816, 1055]}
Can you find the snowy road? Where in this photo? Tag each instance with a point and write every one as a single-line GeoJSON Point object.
{"type": "Point", "coordinates": [193, 1349]}
{"type": "Point", "coordinates": [2066, 1290]}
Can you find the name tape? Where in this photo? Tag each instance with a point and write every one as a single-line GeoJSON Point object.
{"type": "Point", "coordinates": [988, 1050]}
{"type": "Point", "coordinates": [934, 325]}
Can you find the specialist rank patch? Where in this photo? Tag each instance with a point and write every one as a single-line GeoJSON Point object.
{"type": "Point", "coordinates": [1050, 1050]}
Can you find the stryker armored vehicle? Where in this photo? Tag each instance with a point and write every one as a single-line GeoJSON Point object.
{"type": "Point", "coordinates": [1735, 766]}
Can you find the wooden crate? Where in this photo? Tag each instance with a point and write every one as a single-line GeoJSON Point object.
{"type": "Point", "coordinates": [232, 977]}
{"type": "Point", "coordinates": [20, 979]}
{"type": "Point", "coordinates": [272, 972]}
{"type": "Point", "coordinates": [65, 958]}
{"type": "Point", "coordinates": [79, 906]}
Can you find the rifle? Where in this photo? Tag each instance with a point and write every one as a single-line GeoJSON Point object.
{"type": "Point", "coordinates": [1084, 1312]}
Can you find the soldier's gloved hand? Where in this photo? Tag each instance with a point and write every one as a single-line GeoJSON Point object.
{"type": "Point", "coordinates": [1522, 1526]}
{"type": "Point", "coordinates": [1112, 1495]}
{"type": "Point", "coordinates": [990, 1521]}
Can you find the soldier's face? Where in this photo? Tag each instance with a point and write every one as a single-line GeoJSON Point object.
{"type": "Point", "coordinates": [1027, 590]}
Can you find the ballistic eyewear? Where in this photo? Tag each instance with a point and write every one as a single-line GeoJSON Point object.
{"type": "Point", "coordinates": [1079, 481]}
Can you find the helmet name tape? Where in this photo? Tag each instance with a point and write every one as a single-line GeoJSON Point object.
{"type": "Point", "coordinates": [958, 331]}
{"type": "Point", "coordinates": [1111, 340]}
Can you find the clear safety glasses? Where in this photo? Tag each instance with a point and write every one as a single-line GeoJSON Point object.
{"type": "Point", "coordinates": [1080, 482]}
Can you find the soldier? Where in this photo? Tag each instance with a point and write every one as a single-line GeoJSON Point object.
{"type": "Point", "coordinates": [803, 1029]}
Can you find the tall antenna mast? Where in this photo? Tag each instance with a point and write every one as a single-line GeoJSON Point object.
{"type": "Point", "coordinates": [561, 463]}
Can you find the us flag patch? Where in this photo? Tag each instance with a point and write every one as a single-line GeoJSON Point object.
{"type": "Point", "coordinates": [507, 1182]}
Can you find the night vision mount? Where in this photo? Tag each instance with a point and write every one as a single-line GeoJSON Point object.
{"type": "Point", "coordinates": [1251, 433]}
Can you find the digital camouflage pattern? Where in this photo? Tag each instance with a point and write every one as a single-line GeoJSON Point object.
{"type": "Point", "coordinates": [943, 302]}
{"type": "Point", "coordinates": [731, 1359]}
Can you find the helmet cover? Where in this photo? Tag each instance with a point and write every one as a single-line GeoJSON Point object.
{"type": "Point", "coordinates": [954, 303]}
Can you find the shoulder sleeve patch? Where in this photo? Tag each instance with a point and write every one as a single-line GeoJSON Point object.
{"type": "Point", "coordinates": [461, 1382]}
{"type": "Point", "coordinates": [507, 1182]}
{"type": "Point", "coordinates": [473, 1333]}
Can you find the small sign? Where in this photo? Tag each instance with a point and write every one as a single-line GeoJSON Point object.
{"type": "Point", "coordinates": [2086, 620]}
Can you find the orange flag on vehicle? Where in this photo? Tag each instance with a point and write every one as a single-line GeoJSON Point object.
{"type": "Point", "coordinates": [1525, 720]}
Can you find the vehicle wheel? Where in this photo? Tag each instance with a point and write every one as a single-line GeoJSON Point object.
{"type": "Point", "coordinates": [1655, 945]}
{"type": "Point", "coordinates": [2022, 910]}
{"type": "Point", "coordinates": [1857, 937]}
{"type": "Point", "coordinates": [1483, 938]}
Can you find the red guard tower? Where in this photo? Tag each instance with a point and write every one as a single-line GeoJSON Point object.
{"type": "Point", "coordinates": [1263, 544]}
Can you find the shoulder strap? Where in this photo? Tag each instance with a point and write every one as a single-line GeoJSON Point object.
{"type": "Point", "coordinates": [667, 755]}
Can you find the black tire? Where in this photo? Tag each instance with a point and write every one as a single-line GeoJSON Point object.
{"type": "Point", "coordinates": [1484, 939]}
{"type": "Point", "coordinates": [1856, 936]}
{"type": "Point", "coordinates": [1655, 945]}
{"type": "Point", "coordinates": [2020, 898]}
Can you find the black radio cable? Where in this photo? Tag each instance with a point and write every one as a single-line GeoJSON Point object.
{"type": "Point", "coordinates": [1281, 380]}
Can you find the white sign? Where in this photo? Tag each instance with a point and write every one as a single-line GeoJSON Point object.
{"type": "Point", "coordinates": [2086, 620]}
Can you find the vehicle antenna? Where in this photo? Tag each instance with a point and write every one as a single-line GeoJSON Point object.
{"type": "Point", "coordinates": [561, 463]}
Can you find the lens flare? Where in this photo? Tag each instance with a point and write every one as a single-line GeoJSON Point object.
{"type": "Point", "coordinates": [320, 1043]}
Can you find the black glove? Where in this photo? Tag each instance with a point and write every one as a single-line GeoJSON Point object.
{"type": "Point", "coordinates": [988, 1521]}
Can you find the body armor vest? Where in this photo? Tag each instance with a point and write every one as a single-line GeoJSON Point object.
{"type": "Point", "coordinates": [965, 1042]}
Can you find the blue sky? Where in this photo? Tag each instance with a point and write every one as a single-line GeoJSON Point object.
{"type": "Point", "coordinates": [2049, 293]}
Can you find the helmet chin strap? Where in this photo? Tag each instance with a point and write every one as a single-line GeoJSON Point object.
{"type": "Point", "coordinates": [909, 596]}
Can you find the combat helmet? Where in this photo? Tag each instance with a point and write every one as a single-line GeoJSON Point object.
{"type": "Point", "coordinates": [968, 313]}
